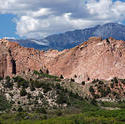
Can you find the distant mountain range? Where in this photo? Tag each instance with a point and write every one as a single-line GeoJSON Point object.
{"type": "Point", "coordinates": [73, 38]}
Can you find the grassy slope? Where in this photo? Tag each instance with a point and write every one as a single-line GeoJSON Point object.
{"type": "Point", "coordinates": [90, 117]}
{"type": "Point", "coordinates": [90, 114]}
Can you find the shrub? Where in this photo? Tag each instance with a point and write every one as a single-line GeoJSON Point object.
{"type": "Point", "coordinates": [37, 84]}
{"type": "Point", "coordinates": [29, 96]}
{"type": "Point", "coordinates": [83, 83]}
{"type": "Point", "coordinates": [59, 113]}
{"type": "Point", "coordinates": [72, 80]}
{"type": "Point", "coordinates": [93, 101]}
{"type": "Point", "coordinates": [18, 79]}
{"type": "Point", "coordinates": [46, 89]}
{"type": "Point", "coordinates": [75, 76]}
{"type": "Point", "coordinates": [122, 81]}
{"type": "Point", "coordinates": [88, 79]}
{"type": "Point", "coordinates": [91, 89]}
{"type": "Point", "coordinates": [7, 78]}
{"type": "Point", "coordinates": [41, 110]}
{"type": "Point", "coordinates": [20, 109]}
{"type": "Point", "coordinates": [36, 72]}
{"type": "Point", "coordinates": [58, 86]}
{"type": "Point", "coordinates": [95, 81]}
{"type": "Point", "coordinates": [108, 90]}
{"type": "Point", "coordinates": [21, 82]}
{"type": "Point", "coordinates": [96, 96]}
{"type": "Point", "coordinates": [61, 76]}
{"type": "Point", "coordinates": [32, 88]}
{"type": "Point", "coordinates": [4, 104]}
{"type": "Point", "coordinates": [41, 72]}
{"type": "Point", "coordinates": [47, 71]}
{"type": "Point", "coordinates": [61, 99]}
{"type": "Point", "coordinates": [101, 82]}
{"type": "Point", "coordinates": [112, 85]}
{"type": "Point", "coordinates": [1, 78]}
{"type": "Point", "coordinates": [41, 95]}
{"type": "Point", "coordinates": [104, 92]}
{"type": "Point", "coordinates": [24, 84]}
{"type": "Point", "coordinates": [114, 93]}
{"type": "Point", "coordinates": [23, 92]}
{"type": "Point", "coordinates": [8, 84]}
{"type": "Point", "coordinates": [114, 80]}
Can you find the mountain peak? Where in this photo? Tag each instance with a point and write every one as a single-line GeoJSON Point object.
{"type": "Point", "coordinates": [71, 39]}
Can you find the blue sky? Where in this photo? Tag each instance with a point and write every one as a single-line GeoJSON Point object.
{"type": "Point", "coordinates": [7, 26]}
{"type": "Point", "coordinates": [37, 19]}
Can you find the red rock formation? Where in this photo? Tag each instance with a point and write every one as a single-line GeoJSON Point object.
{"type": "Point", "coordinates": [96, 58]}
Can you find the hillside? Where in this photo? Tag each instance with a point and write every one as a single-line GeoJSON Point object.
{"type": "Point", "coordinates": [84, 84]}
{"type": "Point", "coordinates": [71, 39]}
{"type": "Point", "coordinates": [40, 98]}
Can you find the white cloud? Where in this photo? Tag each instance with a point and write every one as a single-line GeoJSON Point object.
{"type": "Point", "coordinates": [107, 10]}
{"type": "Point", "coordinates": [39, 18]}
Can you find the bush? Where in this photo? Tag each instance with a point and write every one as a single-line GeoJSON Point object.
{"type": "Point", "coordinates": [21, 82]}
{"type": "Point", "coordinates": [61, 76]}
{"type": "Point", "coordinates": [8, 84]}
{"type": "Point", "coordinates": [29, 96]}
{"type": "Point", "coordinates": [41, 110]}
{"type": "Point", "coordinates": [91, 89]}
{"type": "Point", "coordinates": [47, 71]}
{"type": "Point", "coordinates": [32, 88]}
{"type": "Point", "coordinates": [4, 104]}
{"type": "Point", "coordinates": [72, 80]}
{"type": "Point", "coordinates": [83, 83]}
{"type": "Point", "coordinates": [41, 95]}
{"type": "Point", "coordinates": [59, 113]}
{"type": "Point", "coordinates": [46, 88]}
{"type": "Point", "coordinates": [20, 109]}
{"type": "Point", "coordinates": [95, 81]}
{"type": "Point", "coordinates": [41, 72]}
{"type": "Point", "coordinates": [7, 78]}
{"type": "Point", "coordinates": [61, 99]}
{"type": "Point", "coordinates": [1, 78]}
{"type": "Point", "coordinates": [112, 85]}
{"type": "Point", "coordinates": [122, 81]}
{"type": "Point", "coordinates": [104, 92]}
{"type": "Point", "coordinates": [114, 80]}
{"type": "Point", "coordinates": [18, 79]}
{"type": "Point", "coordinates": [23, 92]}
{"type": "Point", "coordinates": [101, 82]}
{"type": "Point", "coordinates": [37, 84]}
{"type": "Point", "coordinates": [36, 72]}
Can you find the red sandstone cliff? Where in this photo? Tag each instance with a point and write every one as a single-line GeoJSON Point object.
{"type": "Point", "coordinates": [96, 58]}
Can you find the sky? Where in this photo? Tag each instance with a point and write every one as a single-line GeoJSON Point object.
{"type": "Point", "coordinates": [40, 18]}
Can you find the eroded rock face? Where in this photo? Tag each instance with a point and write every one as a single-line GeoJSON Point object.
{"type": "Point", "coordinates": [3, 59]}
{"type": "Point", "coordinates": [96, 58]}
{"type": "Point", "coordinates": [3, 65]}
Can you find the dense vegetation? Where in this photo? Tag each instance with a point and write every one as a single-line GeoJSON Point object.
{"type": "Point", "coordinates": [40, 98]}
{"type": "Point", "coordinates": [89, 115]}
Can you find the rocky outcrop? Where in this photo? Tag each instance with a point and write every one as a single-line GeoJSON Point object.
{"type": "Point", "coordinates": [3, 65]}
{"type": "Point", "coordinates": [96, 58]}
{"type": "Point", "coordinates": [3, 59]}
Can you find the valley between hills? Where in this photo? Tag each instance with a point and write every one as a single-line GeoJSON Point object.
{"type": "Point", "coordinates": [81, 85]}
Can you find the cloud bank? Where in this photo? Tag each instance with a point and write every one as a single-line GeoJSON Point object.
{"type": "Point", "coordinates": [39, 18]}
